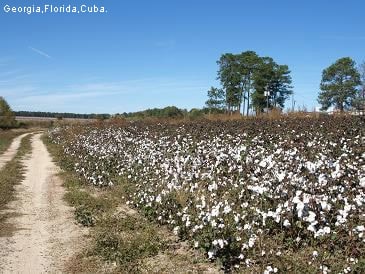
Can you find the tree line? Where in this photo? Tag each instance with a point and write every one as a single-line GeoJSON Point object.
{"type": "Point", "coordinates": [253, 84]}
{"type": "Point", "coordinates": [61, 115]}
{"type": "Point", "coordinates": [168, 112]}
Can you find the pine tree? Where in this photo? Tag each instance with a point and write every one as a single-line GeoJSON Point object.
{"type": "Point", "coordinates": [339, 85]}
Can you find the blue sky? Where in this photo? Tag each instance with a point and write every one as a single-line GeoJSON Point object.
{"type": "Point", "coordinates": [144, 54]}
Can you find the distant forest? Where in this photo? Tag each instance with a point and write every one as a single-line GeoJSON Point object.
{"type": "Point", "coordinates": [170, 112]}
{"type": "Point", "coordinates": [167, 112]}
{"type": "Point", "coordinates": [61, 115]}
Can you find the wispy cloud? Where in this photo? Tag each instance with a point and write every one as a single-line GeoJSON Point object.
{"type": "Point", "coordinates": [16, 92]}
{"type": "Point", "coordinates": [12, 76]}
{"type": "Point", "coordinates": [40, 52]}
{"type": "Point", "coordinates": [107, 96]}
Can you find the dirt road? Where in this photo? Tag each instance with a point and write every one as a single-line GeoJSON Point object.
{"type": "Point", "coordinates": [46, 235]}
{"type": "Point", "coordinates": [9, 154]}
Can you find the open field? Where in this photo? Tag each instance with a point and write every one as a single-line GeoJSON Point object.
{"type": "Point", "coordinates": [45, 119]}
{"type": "Point", "coordinates": [49, 121]}
{"type": "Point", "coordinates": [256, 195]}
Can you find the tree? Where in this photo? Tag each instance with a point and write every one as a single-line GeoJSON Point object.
{"type": "Point", "coordinates": [246, 76]}
{"type": "Point", "coordinates": [359, 102]}
{"type": "Point", "coordinates": [215, 99]}
{"type": "Point", "coordinates": [276, 80]}
{"type": "Point", "coordinates": [235, 73]}
{"type": "Point", "coordinates": [7, 117]}
{"type": "Point", "coordinates": [249, 62]}
{"type": "Point", "coordinates": [230, 78]}
{"type": "Point", "coordinates": [339, 85]}
{"type": "Point", "coordinates": [172, 112]}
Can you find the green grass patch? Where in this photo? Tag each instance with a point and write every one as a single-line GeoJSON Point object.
{"type": "Point", "coordinates": [10, 175]}
{"type": "Point", "coordinates": [126, 241]}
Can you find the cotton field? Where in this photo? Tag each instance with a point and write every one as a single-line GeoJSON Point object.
{"type": "Point", "coordinates": [282, 195]}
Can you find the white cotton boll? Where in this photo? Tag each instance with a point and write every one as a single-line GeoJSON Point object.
{"type": "Point", "coordinates": [300, 207]}
{"type": "Point", "coordinates": [311, 228]}
{"type": "Point", "coordinates": [360, 228]}
{"type": "Point", "coordinates": [251, 241]}
{"type": "Point", "coordinates": [324, 269]}
{"type": "Point", "coordinates": [220, 243]}
{"type": "Point", "coordinates": [280, 176]}
{"type": "Point", "coordinates": [215, 211]}
{"type": "Point", "coordinates": [311, 217]}
{"type": "Point", "coordinates": [362, 182]}
{"type": "Point", "coordinates": [263, 164]}
{"type": "Point", "coordinates": [188, 223]}
{"type": "Point", "coordinates": [227, 209]}
{"type": "Point", "coordinates": [247, 227]}
{"type": "Point", "coordinates": [176, 230]}
{"type": "Point", "coordinates": [322, 179]}
{"type": "Point", "coordinates": [296, 200]}
{"type": "Point", "coordinates": [286, 223]}
{"type": "Point", "coordinates": [212, 187]}
{"type": "Point", "coordinates": [213, 223]}
{"type": "Point", "coordinates": [269, 269]}
{"type": "Point", "coordinates": [347, 270]}
{"type": "Point", "coordinates": [325, 205]}
{"type": "Point", "coordinates": [310, 166]}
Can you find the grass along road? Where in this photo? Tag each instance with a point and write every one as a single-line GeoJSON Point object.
{"type": "Point", "coordinates": [12, 149]}
{"type": "Point", "coordinates": [10, 175]}
{"type": "Point", "coordinates": [6, 137]}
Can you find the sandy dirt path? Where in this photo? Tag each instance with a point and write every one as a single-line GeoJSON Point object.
{"type": "Point", "coordinates": [46, 236]}
{"type": "Point", "coordinates": [9, 154]}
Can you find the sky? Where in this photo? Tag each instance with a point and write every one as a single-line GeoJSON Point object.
{"type": "Point", "coordinates": [154, 53]}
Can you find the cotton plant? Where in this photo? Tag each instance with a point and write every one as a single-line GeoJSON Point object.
{"type": "Point", "coordinates": [229, 187]}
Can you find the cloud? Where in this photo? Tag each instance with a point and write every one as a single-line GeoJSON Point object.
{"type": "Point", "coordinates": [40, 52]}
{"type": "Point", "coordinates": [112, 96]}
